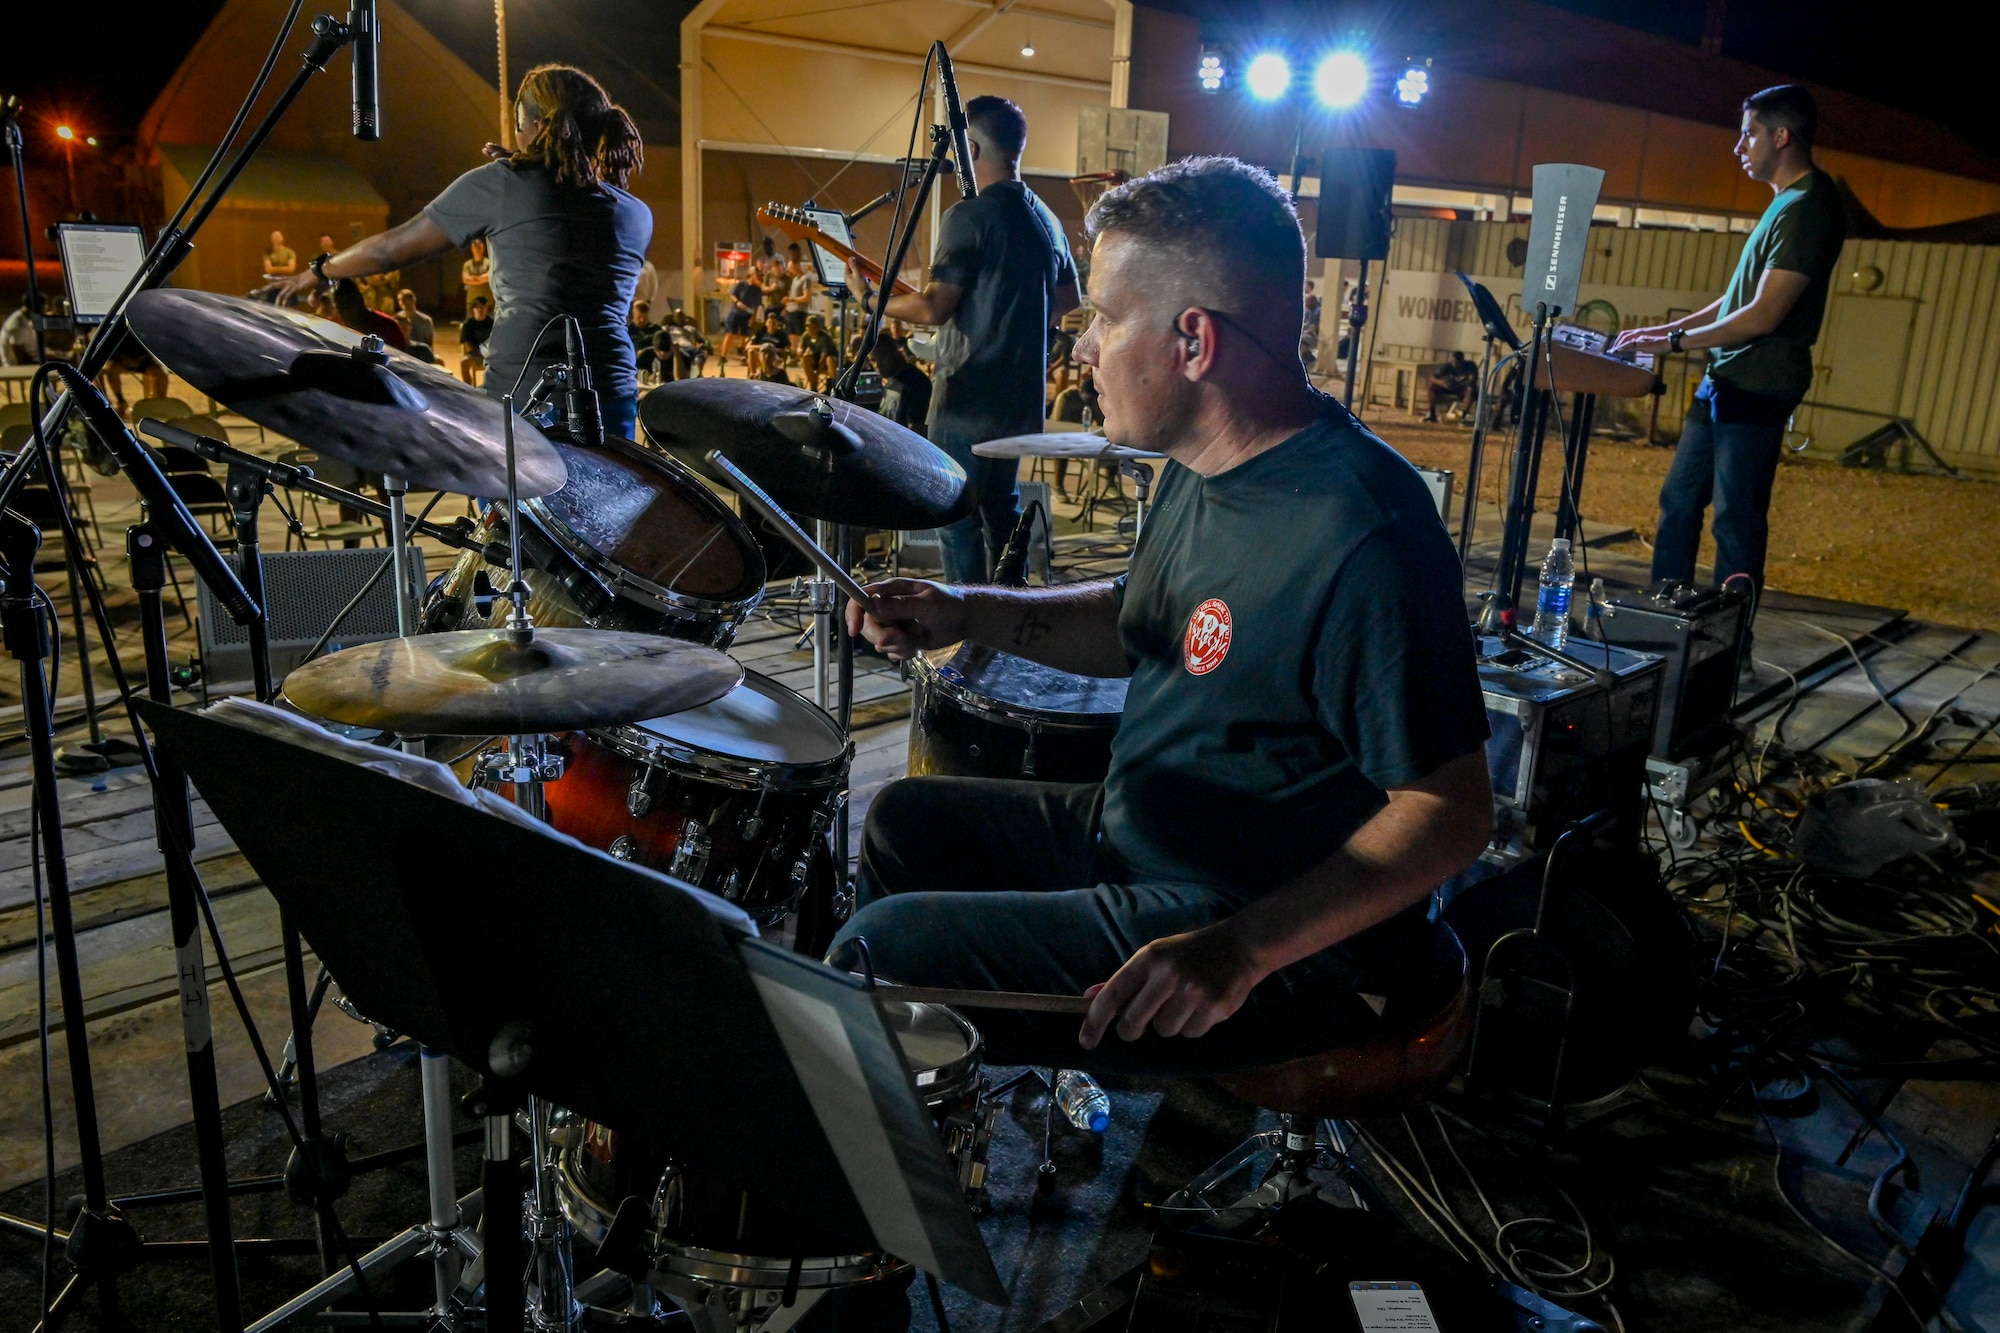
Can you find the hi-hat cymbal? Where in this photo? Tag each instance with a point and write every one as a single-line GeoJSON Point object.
{"type": "Point", "coordinates": [482, 683]}
{"type": "Point", "coordinates": [297, 374]}
{"type": "Point", "coordinates": [1061, 444]}
{"type": "Point", "coordinates": [816, 456]}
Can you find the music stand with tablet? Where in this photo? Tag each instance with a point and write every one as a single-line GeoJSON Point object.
{"type": "Point", "coordinates": [98, 262]}
{"type": "Point", "coordinates": [643, 1011]}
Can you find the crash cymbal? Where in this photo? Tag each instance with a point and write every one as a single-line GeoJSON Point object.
{"type": "Point", "coordinates": [305, 378]}
{"type": "Point", "coordinates": [482, 683]}
{"type": "Point", "coordinates": [1061, 444]}
{"type": "Point", "coordinates": [816, 456]}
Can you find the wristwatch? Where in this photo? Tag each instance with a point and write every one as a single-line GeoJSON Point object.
{"type": "Point", "coordinates": [317, 264]}
{"type": "Point", "coordinates": [1674, 340]}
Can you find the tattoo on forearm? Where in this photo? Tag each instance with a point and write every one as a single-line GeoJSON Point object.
{"type": "Point", "coordinates": [1031, 628]}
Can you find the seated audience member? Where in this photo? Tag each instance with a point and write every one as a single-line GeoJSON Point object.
{"type": "Point", "coordinates": [17, 336]}
{"type": "Point", "coordinates": [642, 330]}
{"type": "Point", "coordinates": [1456, 381]}
{"type": "Point", "coordinates": [1074, 404]}
{"type": "Point", "coordinates": [680, 346]}
{"type": "Point", "coordinates": [473, 336]}
{"type": "Point", "coordinates": [418, 327]}
{"type": "Point", "coordinates": [769, 350]}
{"type": "Point", "coordinates": [818, 353]}
{"type": "Point", "coordinates": [351, 308]}
{"type": "Point", "coordinates": [906, 390]}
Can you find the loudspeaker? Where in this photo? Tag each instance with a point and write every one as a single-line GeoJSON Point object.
{"type": "Point", "coordinates": [1354, 188]}
{"type": "Point", "coordinates": [303, 592]}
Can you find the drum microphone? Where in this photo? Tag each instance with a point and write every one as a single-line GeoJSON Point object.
{"type": "Point", "coordinates": [365, 25]}
{"type": "Point", "coordinates": [163, 504]}
{"type": "Point", "coordinates": [954, 114]}
{"type": "Point", "coordinates": [580, 415]}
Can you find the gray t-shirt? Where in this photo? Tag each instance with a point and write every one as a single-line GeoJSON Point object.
{"type": "Point", "coordinates": [555, 250]}
{"type": "Point", "coordinates": [1006, 249]}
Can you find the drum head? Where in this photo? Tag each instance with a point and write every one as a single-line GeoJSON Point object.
{"type": "Point", "coordinates": [759, 720]}
{"type": "Point", "coordinates": [653, 519]}
{"type": "Point", "coordinates": [974, 672]}
{"type": "Point", "coordinates": [942, 1050]}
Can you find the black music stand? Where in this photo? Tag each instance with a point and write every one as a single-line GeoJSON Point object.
{"type": "Point", "coordinates": [646, 1014]}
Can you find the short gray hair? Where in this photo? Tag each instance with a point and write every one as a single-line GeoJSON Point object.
{"type": "Point", "coordinates": [1229, 224]}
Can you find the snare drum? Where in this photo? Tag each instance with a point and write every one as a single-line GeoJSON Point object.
{"type": "Point", "coordinates": [701, 1233]}
{"type": "Point", "coordinates": [733, 796]}
{"type": "Point", "coordinates": [632, 541]}
{"type": "Point", "coordinates": [978, 713]}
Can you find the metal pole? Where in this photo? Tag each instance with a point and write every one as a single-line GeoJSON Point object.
{"type": "Point", "coordinates": [436, 1073]}
{"type": "Point", "coordinates": [1469, 515]}
{"type": "Point", "coordinates": [1357, 319]}
{"type": "Point", "coordinates": [506, 102]}
{"type": "Point", "coordinates": [822, 623]}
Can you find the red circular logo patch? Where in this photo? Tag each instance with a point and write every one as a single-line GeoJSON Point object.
{"type": "Point", "coordinates": [1208, 635]}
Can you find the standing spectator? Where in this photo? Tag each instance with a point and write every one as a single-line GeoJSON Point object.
{"type": "Point", "coordinates": [476, 274]}
{"type": "Point", "coordinates": [798, 298]}
{"type": "Point", "coordinates": [906, 390]}
{"type": "Point", "coordinates": [819, 355]}
{"type": "Point", "coordinates": [473, 336]}
{"type": "Point", "coordinates": [643, 331]}
{"type": "Point", "coordinates": [745, 299]}
{"type": "Point", "coordinates": [418, 328]}
{"type": "Point", "coordinates": [768, 351]}
{"type": "Point", "coordinates": [648, 285]}
{"type": "Point", "coordinates": [280, 261]}
{"type": "Point", "coordinates": [777, 283]}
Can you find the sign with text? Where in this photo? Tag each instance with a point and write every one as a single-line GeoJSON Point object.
{"type": "Point", "coordinates": [1433, 309]}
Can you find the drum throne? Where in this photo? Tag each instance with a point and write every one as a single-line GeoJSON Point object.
{"type": "Point", "coordinates": [1423, 1041]}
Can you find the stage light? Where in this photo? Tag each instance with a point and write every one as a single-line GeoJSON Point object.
{"type": "Point", "coordinates": [1028, 50]}
{"type": "Point", "coordinates": [92, 141]}
{"type": "Point", "coordinates": [65, 132]}
{"type": "Point", "coordinates": [1415, 85]}
{"type": "Point", "coordinates": [1341, 79]}
{"type": "Point", "coordinates": [1269, 76]}
{"type": "Point", "coordinates": [1211, 71]}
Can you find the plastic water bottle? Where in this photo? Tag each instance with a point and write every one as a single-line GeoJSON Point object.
{"type": "Point", "coordinates": [1083, 1103]}
{"type": "Point", "coordinates": [1552, 599]}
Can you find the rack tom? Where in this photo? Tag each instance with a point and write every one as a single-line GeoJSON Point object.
{"type": "Point", "coordinates": [632, 541]}
{"type": "Point", "coordinates": [976, 712]}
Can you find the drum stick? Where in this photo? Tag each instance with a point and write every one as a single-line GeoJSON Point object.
{"type": "Point", "coordinates": [986, 999]}
{"type": "Point", "coordinates": [791, 531]}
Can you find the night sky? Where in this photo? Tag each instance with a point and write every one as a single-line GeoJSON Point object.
{"type": "Point", "coordinates": [1917, 59]}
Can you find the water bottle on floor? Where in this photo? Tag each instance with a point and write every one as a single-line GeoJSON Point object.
{"type": "Point", "coordinates": [1552, 599]}
{"type": "Point", "coordinates": [1083, 1103]}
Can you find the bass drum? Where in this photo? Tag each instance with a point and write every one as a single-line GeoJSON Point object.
{"type": "Point", "coordinates": [632, 541]}
{"type": "Point", "coordinates": [701, 1234]}
{"type": "Point", "coordinates": [979, 713]}
{"type": "Point", "coordinates": [734, 796]}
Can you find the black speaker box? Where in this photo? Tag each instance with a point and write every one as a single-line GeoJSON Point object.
{"type": "Point", "coordinates": [1354, 188]}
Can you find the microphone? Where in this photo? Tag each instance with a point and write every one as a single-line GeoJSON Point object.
{"type": "Point", "coordinates": [365, 23]}
{"type": "Point", "coordinates": [580, 415]}
{"type": "Point", "coordinates": [163, 504]}
{"type": "Point", "coordinates": [954, 114]}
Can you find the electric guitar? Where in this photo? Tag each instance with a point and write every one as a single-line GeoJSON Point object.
{"type": "Point", "coordinates": [794, 223]}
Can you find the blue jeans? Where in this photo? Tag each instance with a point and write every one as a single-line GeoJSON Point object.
{"type": "Point", "coordinates": [1728, 456]}
{"type": "Point", "coordinates": [620, 414]}
{"type": "Point", "coordinates": [998, 884]}
{"type": "Point", "coordinates": [969, 554]}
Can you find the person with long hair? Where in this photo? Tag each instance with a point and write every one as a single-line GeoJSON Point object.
{"type": "Point", "coordinates": [563, 238]}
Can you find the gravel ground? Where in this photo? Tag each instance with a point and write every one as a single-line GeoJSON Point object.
{"type": "Point", "coordinates": [1921, 543]}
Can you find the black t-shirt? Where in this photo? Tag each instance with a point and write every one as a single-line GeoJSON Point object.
{"type": "Point", "coordinates": [555, 249]}
{"type": "Point", "coordinates": [1006, 249]}
{"type": "Point", "coordinates": [1298, 645]}
{"type": "Point", "coordinates": [906, 397]}
{"type": "Point", "coordinates": [748, 293]}
{"type": "Point", "coordinates": [474, 333]}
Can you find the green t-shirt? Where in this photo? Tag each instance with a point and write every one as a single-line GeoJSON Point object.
{"type": "Point", "coordinates": [1802, 232]}
{"type": "Point", "coordinates": [1298, 644]}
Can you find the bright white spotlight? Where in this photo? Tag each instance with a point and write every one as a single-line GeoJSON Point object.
{"type": "Point", "coordinates": [1341, 79]}
{"type": "Point", "coordinates": [1414, 86]}
{"type": "Point", "coordinates": [1269, 76]}
{"type": "Point", "coordinates": [1210, 72]}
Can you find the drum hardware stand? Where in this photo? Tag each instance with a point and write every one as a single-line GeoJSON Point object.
{"type": "Point", "coordinates": [1503, 600]}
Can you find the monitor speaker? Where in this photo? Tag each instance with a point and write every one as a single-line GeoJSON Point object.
{"type": "Point", "coordinates": [303, 592]}
{"type": "Point", "coordinates": [1354, 188]}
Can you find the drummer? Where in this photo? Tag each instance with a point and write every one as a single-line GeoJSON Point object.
{"type": "Point", "coordinates": [1301, 756]}
{"type": "Point", "coordinates": [565, 239]}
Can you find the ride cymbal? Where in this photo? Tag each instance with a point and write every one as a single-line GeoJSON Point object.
{"type": "Point", "coordinates": [1061, 444]}
{"type": "Point", "coordinates": [308, 379]}
{"type": "Point", "coordinates": [816, 456]}
{"type": "Point", "coordinates": [483, 683]}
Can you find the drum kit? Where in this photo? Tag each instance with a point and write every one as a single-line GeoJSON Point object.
{"type": "Point", "coordinates": [583, 631]}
